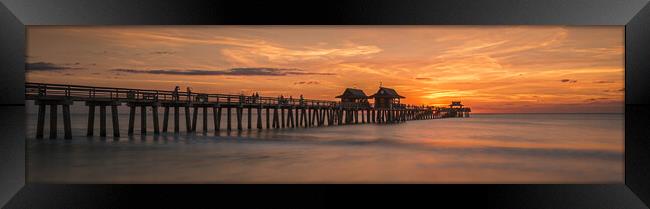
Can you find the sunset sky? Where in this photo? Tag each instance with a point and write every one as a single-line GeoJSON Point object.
{"type": "Point", "coordinates": [492, 69]}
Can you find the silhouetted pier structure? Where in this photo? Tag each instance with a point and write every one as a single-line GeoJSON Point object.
{"type": "Point", "coordinates": [456, 110]}
{"type": "Point", "coordinates": [280, 112]}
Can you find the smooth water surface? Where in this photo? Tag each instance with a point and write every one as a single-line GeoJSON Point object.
{"type": "Point", "coordinates": [485, 148]}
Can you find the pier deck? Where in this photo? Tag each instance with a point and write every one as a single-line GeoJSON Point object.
{"type": "Point", "coordinates": [280, 112]}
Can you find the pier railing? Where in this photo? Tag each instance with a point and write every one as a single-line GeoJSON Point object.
{"type": "Point", "coordinates": [92, 93]}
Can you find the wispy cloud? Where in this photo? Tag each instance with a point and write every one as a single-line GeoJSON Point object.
{"type": "Point", "coordinates": [242, 50]}
{"type": "Point", "coordinates": [614, 90]}
{"type": "Point", "coordinates": [163, 52]}
{"type": "Point", "coordinates": [568, 81]}
{"type": "Point", "coordinates": [47, 66]}
{"type": "Point", "coordinates": [604, 82]}
{"type": "Point", "coordinates": [267, 52]}
{"type": "Point", "coordinates": [230, 72]}
{"type": "Point", "coordinates": [424, 78]}
{"type": "Point", "coordinates": [306, 83]}
{"type": "Point", "coordinates": [597, 99]}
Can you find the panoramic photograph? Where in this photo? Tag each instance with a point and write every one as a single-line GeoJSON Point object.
{"type": "Point", "coordinates": [325, 104]}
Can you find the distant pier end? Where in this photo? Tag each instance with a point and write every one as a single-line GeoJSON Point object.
{"type": "Point", "coordinates": [456, 110]}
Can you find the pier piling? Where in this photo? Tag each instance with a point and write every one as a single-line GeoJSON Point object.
{"type": "Point", "coordinates": [216, 111]}
{"type": "Point", "coordinates": [41, 121]}
{"type": "Point", "coordinates": [102, 121]}
{"type": "Point", "coordinates": [289, 117]}
{"type": "Point", "coordinates": [268, 117]}
{"type": "Point", "coordinates": [205, 119]}
{"type": "Point", "coordinates": [239, 111]}
{"type": "Point", "coordinates": [143, 120]}
{"type": "Point", "coordinates": [194, 118]}
{"type": "Point", "coordinates": [250, 119]}
{"type": "Point", "coordinates": [53, 120]}
{"type": "Point", "coordinates": [91, 120]}
{"type": "Point", "coordinates": [176, 120]}
{"type": "Point", "coordinates": [165, 119]}
{"type": "Point", "coordinates": [282, 116]}
{"type": "Point", "coordinates": [154, 114]}
{"type": "Point", "coordinates": [131, 119]}
{"type": "Point", "coordinates": [188, 125]}
{"type": "Point", "coordinates": [276, 120]}
{"type": "Point", "coordinates": [116, 121]}
{"type": "Point", "coordinates": [67, 124]}
{"type": "Point", "coordinates": [228, 117]}
{"type": "Point", "coordinates": [259, 117]}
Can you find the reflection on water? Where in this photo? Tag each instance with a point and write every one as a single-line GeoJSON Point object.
{"type": "Point", "coordinates": [515, 148]}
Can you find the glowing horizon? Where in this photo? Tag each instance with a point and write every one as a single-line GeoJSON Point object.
{"type": "Point", "coordinates": [492, 69]}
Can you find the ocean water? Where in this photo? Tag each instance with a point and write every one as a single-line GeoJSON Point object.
{"type": "Point", "coordinates": [485, 148]}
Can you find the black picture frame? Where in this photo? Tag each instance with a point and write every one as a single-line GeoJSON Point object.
{"type": "Point", "coordinates": [15, 15]}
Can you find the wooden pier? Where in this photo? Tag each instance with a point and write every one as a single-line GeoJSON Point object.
{"type": "Point", "coordinates": [280, 112]}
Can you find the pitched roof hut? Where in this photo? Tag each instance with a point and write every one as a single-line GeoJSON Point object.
{"type": "Point", "coordinates": [456, 104]}
{"type": "Point", "coordinates": [353, 97]}
{"type": "Point", "coordinates": [386, 98]}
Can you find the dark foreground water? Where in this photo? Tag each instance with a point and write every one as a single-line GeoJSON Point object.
{"type": "Point", "coordinates": [508, 148]}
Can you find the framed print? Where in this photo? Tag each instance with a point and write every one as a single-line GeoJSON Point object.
{"type": "Point", "coordinates": [536, 104]}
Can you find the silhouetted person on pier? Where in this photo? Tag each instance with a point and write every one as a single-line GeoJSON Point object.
{"type": "Point", "coordinates": [175, 93]}
{"type": "Point", "coordinates": [302, 100]}
{"type": "Point", "coordinates": [41, 91]}
{"type": "Point", "coordinates": [131, 94]}
{"type": "Point", "coordinates": [189, 94]}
